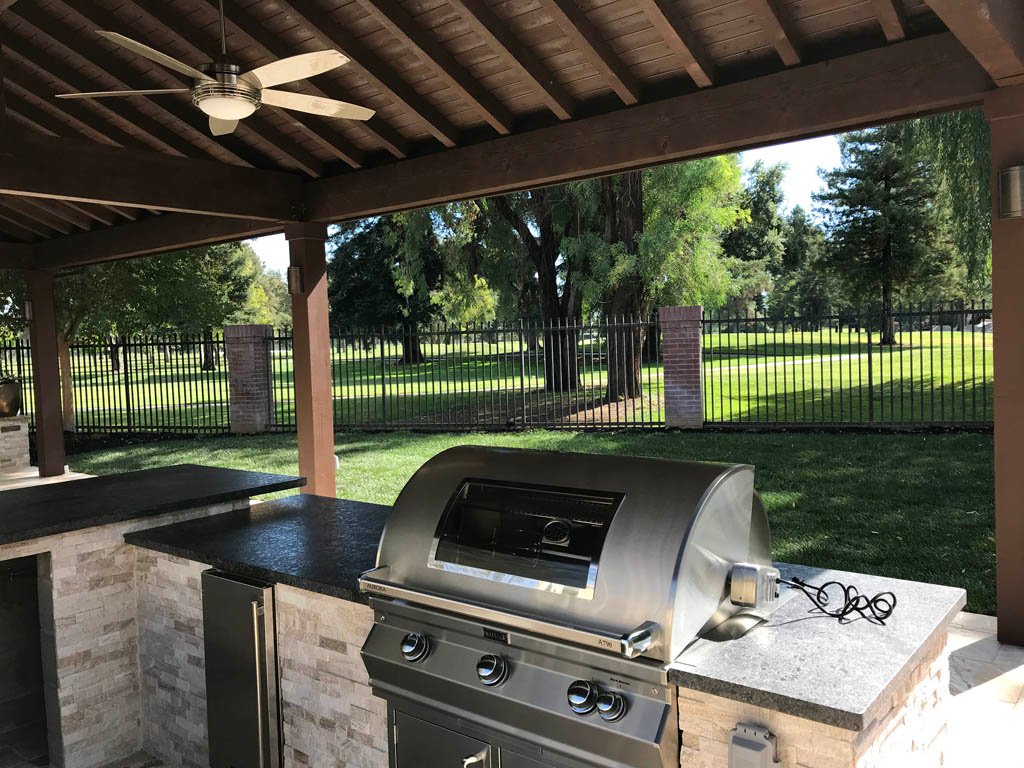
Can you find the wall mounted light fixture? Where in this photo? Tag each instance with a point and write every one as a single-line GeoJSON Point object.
{"type": "Point", "coordinates": [1011, 192]}
{"type": "Point", "coordinates": [295, 281]}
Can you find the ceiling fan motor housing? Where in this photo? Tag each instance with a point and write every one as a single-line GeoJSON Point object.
{"type": "Point", "coordinates": [227, 96]}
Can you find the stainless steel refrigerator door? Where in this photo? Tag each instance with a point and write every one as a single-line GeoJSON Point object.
{"type": "Point", "coordinates": [241, 672]}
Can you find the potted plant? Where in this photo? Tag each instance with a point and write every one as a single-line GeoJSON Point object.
{"type": "Point", "coordinates": [10, 396]}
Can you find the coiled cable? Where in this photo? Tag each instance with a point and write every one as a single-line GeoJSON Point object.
{"type": "Point", "coordinates": [876, 609]}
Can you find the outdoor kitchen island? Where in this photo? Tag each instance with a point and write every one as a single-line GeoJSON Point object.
{"type": "Point", "coordinates": [856, 694]}
{"type": "Point", "coordinates": [70, 685]}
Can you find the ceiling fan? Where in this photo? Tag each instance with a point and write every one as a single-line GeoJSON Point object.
{"type": "Point", "coordinates": [226, 94]}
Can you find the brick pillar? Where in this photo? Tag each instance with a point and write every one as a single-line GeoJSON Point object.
{"type": "Point", "coordinates": [251, 405]}
{"type": "Point", "coordinates": [684, 394]}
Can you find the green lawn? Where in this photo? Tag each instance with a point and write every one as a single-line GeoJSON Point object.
{"type": "Point", "coordinates": [914, 506]}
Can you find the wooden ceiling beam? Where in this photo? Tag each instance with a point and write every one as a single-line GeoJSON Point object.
{"type": "Point", "coordinates": [201, 44]}
{"type": "Point", "coordinates": [175, 108]}
{"type": "Point", "coordinates": [892, 19]}
{"type": "Point", "coordinates": [992, 30]}
{"type": "Point", "coordinates": [400, 23]}
{"type": "Point", "coordinates": [591, 43]}
{"type": "Point", "coordinates": [499, 38]}
{"type": "Point", "coordinates": [154, 235]}
{"type": "Point", "coordinates": [39, 214]}
{"type": "Point", "coordinates": [778, 28]}
{"type": "Point", "coordinates": [15, 256]}
{"type": "Point", "coordinates": [331, 34]}
{"type": "Point", "coordinates": [83, 171]}
{"type": "Point", "coordinates": [669, 23]}
{"type": "Point", "coordinates": [63, 211]}
{"type": "Point", "coordinates": [16, 225]}
{"type": "Point", "coordinates": [899, 81]}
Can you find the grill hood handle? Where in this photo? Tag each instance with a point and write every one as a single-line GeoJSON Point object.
{"type": "Point", "coordinates": [630, 645]}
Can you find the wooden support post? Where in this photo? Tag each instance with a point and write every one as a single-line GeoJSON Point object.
{"type": "Point", "coordinates": [1005, 112]}
{"type": "Point", "coordinates": [45, 374]}
{"type": "Point", "coordinates": [311, 350]}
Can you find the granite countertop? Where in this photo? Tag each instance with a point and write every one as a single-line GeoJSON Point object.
{"type": "Point", "coordinates": [804, 663]}
{"type": "Point", "coordinates": [311, 542]}
{"type": "Point", "coordinates": [46, 510]}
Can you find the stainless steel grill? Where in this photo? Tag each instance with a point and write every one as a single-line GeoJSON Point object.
{"type": "Point", "coordinates": [529, 602]}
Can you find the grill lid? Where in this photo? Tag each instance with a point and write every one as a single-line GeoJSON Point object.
{"type": "Point", "coordinates": [627, 554]}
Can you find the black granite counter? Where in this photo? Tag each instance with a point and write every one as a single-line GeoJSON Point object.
{"type": "Point", "coordinates": [45, 510]}
{"type": "Point", "coordinates": [310, 542]}
{"type": "Point", "coordinates": [804, 663]}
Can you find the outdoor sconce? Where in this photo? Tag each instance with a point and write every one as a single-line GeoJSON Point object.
{"type": "Point", "coordinates": [28, 311]}
{"type": "Point", "coordinates": [295, 281]}
{"type": "Point", "coordinates": [1011, 192]}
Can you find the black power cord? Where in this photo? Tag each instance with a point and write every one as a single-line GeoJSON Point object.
{"type": "Point", "coordinates": [876, 609]}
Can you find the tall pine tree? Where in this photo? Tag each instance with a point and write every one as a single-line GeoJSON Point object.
{"type": "Point", "coordinates": [883, 221]}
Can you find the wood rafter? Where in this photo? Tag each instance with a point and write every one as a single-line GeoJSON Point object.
{"type": "Point", "coordinates": [378, 72]}
{"type": "Point", "coordinates": [892, 19]}
{"type": "Point", "coordinates": [992, 30]}
{"type": "Point", "coordinates": [405, 28]}
{"type": "Point", "coordinates": [63, 212]}
{"type": "Point", "coordinates": [15, 226]}
{"type": "Point", "coordinates": [668, 21]}
{"type": "Point", "coordinates": [589, 40]}
{"type": "Point", "coordinates": [176, 109]}
{"type": "Point", "coordinates": [34, 211]}
{"type": "Point", "coordinates": [200, 44]}
{"type": "Point", "coordinates": [778, 28]}
{"type": "Point", "coordinates": [172, 232]}
{"type": "Point", "coordinates": [899, 81]}
{"type": "Point", "coordinates": [499, 38]}
{"type": "Point", "coordinates": [83, 171]}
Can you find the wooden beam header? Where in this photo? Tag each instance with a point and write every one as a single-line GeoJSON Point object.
{"type": "Point", "coordinates": [83, 171]}
{"type": "Point", "coordinates": [992, 30]}
{"type": "Point", "coordinates": [903, 80]}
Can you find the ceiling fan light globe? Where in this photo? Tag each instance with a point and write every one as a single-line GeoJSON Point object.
{"type": "Point", "coordinates": [227, 107]}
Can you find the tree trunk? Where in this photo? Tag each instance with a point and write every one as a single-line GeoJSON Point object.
{"type": "Point", "coordinates": [114, 350]}
{"type": "Point", "coordinates": [67, 391]}
{"type": "Point", "coordinates": [561, 364]}
{"type": "Point", "coordinates": [412, 351]}
{"type": "Point", "coordinates": [888, 326]}
{"type": "Point", "coordinates": [209, 351]}
{"type": "Point", "coordinates": [625, 344]}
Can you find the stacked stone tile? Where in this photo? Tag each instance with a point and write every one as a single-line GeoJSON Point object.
{"type": "Point", "coordinates": [910, 733]}
{"type": "Point", "coordinates": [13, 443]}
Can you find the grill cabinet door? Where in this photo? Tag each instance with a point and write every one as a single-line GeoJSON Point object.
{"type": "Point", "coordinates": [512, 760]}
{"type": "Point", "coordinates": [419, 744]}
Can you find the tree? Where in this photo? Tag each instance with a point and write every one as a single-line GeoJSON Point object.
{"type": "Point", "coordinates": [754, 245]}
{"type": "Point", "coordinates": [883, 219]}
{"type": "Point", "coordinates": [804, 287]}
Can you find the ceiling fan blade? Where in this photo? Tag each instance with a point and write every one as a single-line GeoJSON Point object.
{"type": "Point", "coordinates": [104, 94]}
{"type": "Point", "coordinates": [220, 127]}
{"type": "Point", "coordinates": [154, 55]}
{"type": "Point", "coordinates": [316, 105]}
{"type": "Point", "coordinates": [296, 68]}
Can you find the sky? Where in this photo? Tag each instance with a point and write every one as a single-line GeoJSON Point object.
{"type": "Point", "coordinates": [802, 158]}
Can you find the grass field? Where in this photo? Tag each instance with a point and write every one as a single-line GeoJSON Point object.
{"type": "Point", "coordinates": [477, 381]}
{"type": "Point", "coordinates": [913, 506]}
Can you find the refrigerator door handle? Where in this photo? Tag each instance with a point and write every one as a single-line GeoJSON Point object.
{"type": "Point", "coordinates": [256, 610]}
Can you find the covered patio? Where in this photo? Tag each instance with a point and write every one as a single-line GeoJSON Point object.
{"type": "Point", "coordinates": [472, 98]}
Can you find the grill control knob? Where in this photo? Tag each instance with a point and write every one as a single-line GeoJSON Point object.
{"type": "Point", "coordinates": [611, 706]}
{"type": "Point", "coordinates": [491, 669]}
{"type": "Point", "coordinates": [415, 647]}
{"type": "Point", "coordinates": [582, 696]}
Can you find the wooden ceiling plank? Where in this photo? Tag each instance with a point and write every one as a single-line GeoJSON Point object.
{"type": "Point", "coordinates": [892, 19]}
{"type": "Point", "coordinates": [64, 212]}
{"type": "Point", "coordinates": [668, 21]}
{"type": "Point", "coordinates": [405, 28]}
{"type": "Point", "coordinates": [74, 80]}
{"type": "Point", "coordinates": [172, 20]}
{"type": "Point", "coordinates": [83, 171]}
{"type": "Point", "coordinates": [774, 20]}
{"type": "Point", "coordinates": [920, 76]}
{"type": "Point", "coordinates": [99, 213]}
{"type": "Point", "coordinates": [171, 232]}
{"type": "Point", "coordinates": [499, 38]}
{"type": "Point", "coordinates": [378, 72]}
{"type": "Point", "coordinates": [176, 109]}
{"type": "Point", "coordinates": [589, 40]}
{"type": "Point", "coordinates": [38, 213]}
{"type": "Point", "coordinates": [992, 30]}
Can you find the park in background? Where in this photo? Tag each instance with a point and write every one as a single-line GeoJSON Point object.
{"type": "Point", "coordinates": [749, 370]}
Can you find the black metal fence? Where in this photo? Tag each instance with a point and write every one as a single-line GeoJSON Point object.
{"type": "Point", "coordinates": [831, 369]}
{"type": "Point", "coordinates": [568, 375]}
{"type": "Point", "coordinates": [935, 369]}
